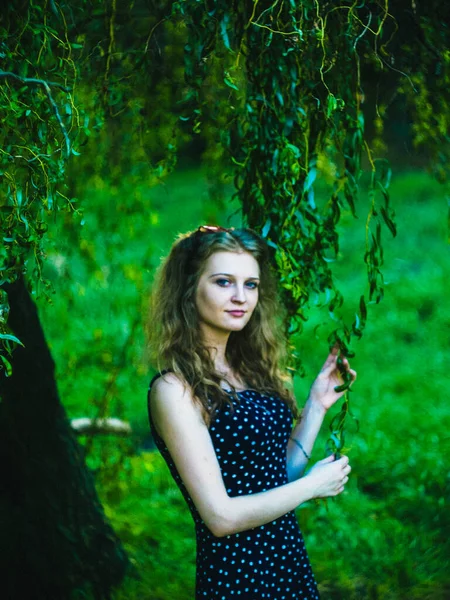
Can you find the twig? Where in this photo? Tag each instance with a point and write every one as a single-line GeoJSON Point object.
{"type": "Point", "coordinates": [364, 31]}
{"type": "Point", "coordinates": [46, 85]}
{"type": "Point", "coordinates": [33, 81]}
{"type": "Point", "coordinates": [111, 40]}
{"type": "Point", "coordinates": [58, 117]}
{"type": "Point", "coordinates": [151, 33]}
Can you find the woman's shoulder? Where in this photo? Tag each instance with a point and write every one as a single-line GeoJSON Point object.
{"type": "Point", "coordinates": [166, 380]}
{"type": "Point", "coordinates": [171, 400]}
{"type": "Point", "coordinates": [158, 376]}
{"type": "Point", "coordinates": [169, 389]}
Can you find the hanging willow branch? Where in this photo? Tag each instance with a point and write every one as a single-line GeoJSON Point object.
{"type": "Point", "coordinates": [38, 121]}
{"type": "Point", "coordinates": [46, 85]}
{"type": "Point", "coordinates": [292, 72]}
{"type": "Point", "coordinates": [275, 88]}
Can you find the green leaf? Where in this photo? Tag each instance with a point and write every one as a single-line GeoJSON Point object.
{"type": "Point", "coordinates": [229, 81]}
{"type": "Point", "coordinates": [301, 222]}
{"type": "Point", "coordinates": [294, 149]}
{"type": "Point", "coordinates": [275, 162]}
{"type": "Point", "coordinates": [224, 33]}
{"type": "Point", "coordinates": [7, 365]}
{"type": "Point", "coordinates": [266, 228]}
{"type": "Point", "coordinates": [336, 440]}
{"type": "Point", "coordinates": [310, 179]}
{"type": "Point", "coordinates": [24, 221]}
{"type": "Point", "coordinates": [389, 222]}
{"type": "Point", "coordinates": [331, 105]}
{"type": "Point", "coordinates": [11, 338]}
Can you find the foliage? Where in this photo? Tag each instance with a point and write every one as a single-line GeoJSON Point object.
{"type": "Point", "coordinates": [279, 92]}
{"type": "Point", "coordinates": [100, 277]}
{"type": "Point", "coordinates": [283, 96]}
{"type": "Point", "coordinates": [276, 90]}
{"type": "Point", "coordinates": [165, 560]}
{"type": "Point", "coordinates": [37, 114]}
{"type": "Point", "coordinates": [388, 535]}
{"type": "Point", "coordinates": [100, 270]}
{"type": "Point", "coordinates": [296, 75]}
{"type": "Point", "coordinates": [67, 74]}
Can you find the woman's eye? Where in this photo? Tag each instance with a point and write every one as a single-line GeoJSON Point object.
{"type": "Point", "coordinates": [224, 283]}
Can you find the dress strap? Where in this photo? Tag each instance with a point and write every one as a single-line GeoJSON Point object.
{"type": "Point", "coordinates": [154, 378]}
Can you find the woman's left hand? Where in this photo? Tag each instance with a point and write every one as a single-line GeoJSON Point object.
{"type": "Point", "coordinates": [322, 390]}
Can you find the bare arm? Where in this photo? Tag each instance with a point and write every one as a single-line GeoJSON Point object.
{"type": "Point", "coordinates": [321, 397]}
{"type": "Point", "coordinates": [305, 432]}
{"type": "Point", "coordinates": [179, 422]}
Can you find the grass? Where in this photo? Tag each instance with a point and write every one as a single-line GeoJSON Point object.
{"type": "Point", "coordinates": [387, 536]}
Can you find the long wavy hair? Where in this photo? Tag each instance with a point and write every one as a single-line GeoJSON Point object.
{"type": "Point", "coordinates": [257, 353]}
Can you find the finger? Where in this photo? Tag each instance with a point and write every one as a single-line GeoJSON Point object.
{"type": "Point", "coordinates": [346, 364]}
{"type": "Point", "coordinates": [344, 481]}
{"type": "Point", "coordinates": [328, 459]}
{"type": "Point", "coordinates": [353, 376]}
{"type": "Point", "coordinates": [330, 360]}
{"type": "Point", "coordinates": [329, 365]}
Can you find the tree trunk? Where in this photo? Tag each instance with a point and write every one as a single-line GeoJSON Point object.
{"type": "Point", "coordinates": [54, 537]}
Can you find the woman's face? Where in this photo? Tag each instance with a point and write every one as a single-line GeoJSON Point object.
{"type": "Point", "coordinates": [227, 291]}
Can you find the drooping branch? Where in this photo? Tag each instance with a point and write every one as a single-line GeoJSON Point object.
{"type": "Point", "coordinates": [294, 75]}
{"type": "Point", "coordinates": [34, 81]}
{"type": "Point", "coordinates": [46, 85]}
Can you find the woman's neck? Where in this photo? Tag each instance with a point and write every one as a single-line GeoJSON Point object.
{"type": "Point", "coordinates": [216, 342]}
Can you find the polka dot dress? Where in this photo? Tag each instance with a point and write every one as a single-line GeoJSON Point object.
{"type": "Point", "coordinates": [267, 562]}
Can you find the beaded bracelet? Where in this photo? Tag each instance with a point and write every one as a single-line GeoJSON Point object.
{"type": "Point", "coordinates": [301, 447]}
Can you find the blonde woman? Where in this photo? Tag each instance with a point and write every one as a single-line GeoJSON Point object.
{"type": "Point", "coordinates": [221, 412]}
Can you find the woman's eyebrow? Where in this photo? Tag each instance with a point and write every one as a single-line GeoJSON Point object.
{"type": "Point", "coordinates": [229, 275]}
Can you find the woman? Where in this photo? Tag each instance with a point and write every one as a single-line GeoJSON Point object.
{"type": "Point", "coordinates": [221, 416]}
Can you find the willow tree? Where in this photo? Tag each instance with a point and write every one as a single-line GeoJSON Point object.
{"type": "Point", "coordinates": [68, 70]}
{"type": "Point", "coordinates": [299, 82]}
{"type": "Point", "coordinates": [275, 91]}
{"type": "Point", "coordinates": [55, 537]}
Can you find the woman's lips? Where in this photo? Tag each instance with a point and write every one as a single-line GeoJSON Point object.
{"type": "Point", "coordinates": [236, 313]}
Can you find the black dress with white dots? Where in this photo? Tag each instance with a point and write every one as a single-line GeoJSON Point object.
{"type": "Point", "coordinates": [266, 562]}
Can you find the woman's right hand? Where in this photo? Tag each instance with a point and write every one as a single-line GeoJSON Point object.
{"type": "Point", "coordinates": [329, 476]}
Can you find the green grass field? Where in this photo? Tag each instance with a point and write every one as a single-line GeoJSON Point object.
{"type": "Point", "coordinates": [387, 536]}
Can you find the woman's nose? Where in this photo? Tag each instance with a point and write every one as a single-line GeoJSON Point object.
{"type": "Point", "coordinates": [239, 294]}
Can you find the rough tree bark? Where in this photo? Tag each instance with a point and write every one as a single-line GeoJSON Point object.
{"type": "Point", "coordinates": [54, 537]}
